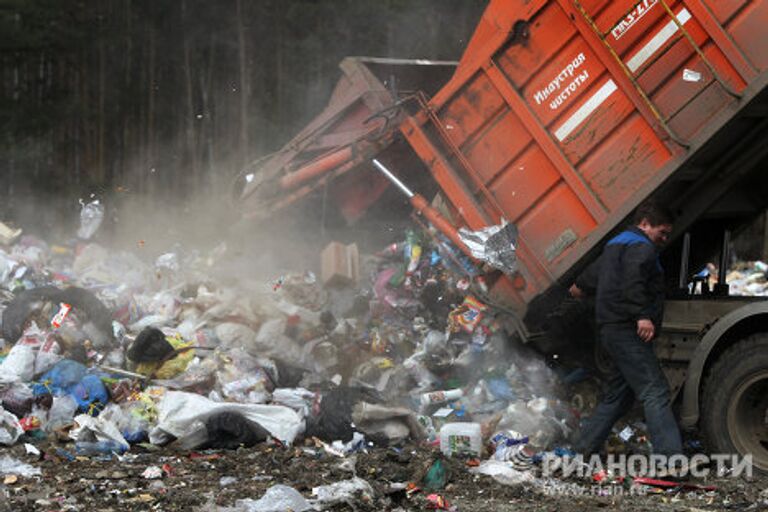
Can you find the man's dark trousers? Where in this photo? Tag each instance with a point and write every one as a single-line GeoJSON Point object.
{"type": "Point", "coordinates": [636, 373]}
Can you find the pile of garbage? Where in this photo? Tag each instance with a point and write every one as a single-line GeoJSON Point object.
{"type": "Point", "coordinates": [748, 278]}
{"type": "Point", "coordinates": [130, 352]}
{"type": "Point", "coordinates": [106, 353]}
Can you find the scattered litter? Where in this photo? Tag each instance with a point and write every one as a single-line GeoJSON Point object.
{"type": "Point", "coordinates": [278, 498]}
{"type": "Point", "coordinates": [355, 489]}
{"type": "Point", "coordinates": [438, 502]}
{"type": "Point", "coordinates": [115, 358]}
{"type": "Point", "coordinates": [11, 466]}
{"type": "Point", "coordinates": [227, 480]}
{"type": "Point", "coordinates": [503, 472]}
{"type": "Point", "coordinates": [152, 473]}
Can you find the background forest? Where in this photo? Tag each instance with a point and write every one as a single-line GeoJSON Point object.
{"type": "Point", "coordinates": [168, 99]}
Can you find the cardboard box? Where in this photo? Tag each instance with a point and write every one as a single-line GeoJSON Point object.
{"type": "Point", "coordinates": [340, 264]}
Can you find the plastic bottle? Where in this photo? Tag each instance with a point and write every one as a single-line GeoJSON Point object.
{"type": "Point", "coordinates": [461, 438]}
{"type": "Point", "coordinates": [99, 447]}
{"type": "Point", "coordinates": [438, 397]}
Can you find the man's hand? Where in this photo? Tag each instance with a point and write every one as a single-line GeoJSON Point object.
{"type": "Point", "coordinates": [645, 329]}
{"type": "Point", "coordinates": [575, 292]}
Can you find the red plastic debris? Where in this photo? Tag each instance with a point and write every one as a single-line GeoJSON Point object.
{"type": "Point", "coordinates": [29, 423]}
{"type": "Point", "coordinates": [58, 319]}
{"type": "Point", "coordinates": [437, 502]}
{"type": "Point", "coordinates": [670, 484]}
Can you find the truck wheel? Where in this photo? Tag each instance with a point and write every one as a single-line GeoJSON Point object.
{"type": "Point", "coordinates": [735, 405]}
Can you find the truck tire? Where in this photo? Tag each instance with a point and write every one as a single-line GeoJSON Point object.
{"type": "Point", "coordinates": [735, 405]}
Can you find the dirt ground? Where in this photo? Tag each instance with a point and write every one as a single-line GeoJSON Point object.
{"type": "Point", "coordinates": [192, 481]}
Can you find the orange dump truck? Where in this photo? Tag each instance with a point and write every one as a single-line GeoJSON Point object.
{"type": "Point", "coordinates": [560, 118]}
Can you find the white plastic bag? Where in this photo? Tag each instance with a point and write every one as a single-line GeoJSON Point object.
{"type": "Point", "coordinates": [344, 491]}
{"type": "Point", "coordinates": [298, 399]}
{"type": "Point", "coordinates": [10, 428]}
{"type": "Point", "coordinates": [503, 472]}
{"type": "Point", "coordinates": [278, 498]}
{"type": "Point", "coordinates": [87, 428]}
{"type": "Point", "coordinates": [178, 412]}
{"type": "Point", "coordinates": [48, 356]}
{"type": "Point", "coordinates": [91, 215]}
{"type": "Point", "coordinates": [19, 364]}
{"type": "Point", "coordinates": [11, 466]}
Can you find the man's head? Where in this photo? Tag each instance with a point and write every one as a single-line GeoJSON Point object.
{"type": "Point", "coordinates": [655, 221]}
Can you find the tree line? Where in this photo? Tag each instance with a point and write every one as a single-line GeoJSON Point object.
{"type": "Point", "coordinates": [169, 98]}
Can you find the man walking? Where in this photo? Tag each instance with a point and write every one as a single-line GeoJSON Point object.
{"type": "Point", "coordinates": [629, 284]}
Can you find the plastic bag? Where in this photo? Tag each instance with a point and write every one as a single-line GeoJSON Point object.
{"type": "Point", "coordinates": [59, 379]}
{"type": "Point", "coordinates": [91, 216]}
{"type": "Point", "coordinates": [19, 365]}
{"type": "Point", "coordinates": [87, 428]}
{"type": "Point", "coordinates": [62, 412]}
{"type": "Point", "coordinates": [18, 399]}
{"type": "Point", "coordinates": [252, 388]}
{"type": "Point", "coordinates": [436, 476]}
{"type": "Point", "coordinates": [10, 428]}
{"type": "Point", "coordinates": [48, 356]}
{"type": "Point", "coordinates": [178, 412]}
{"type": "Point", "coordinates": [344, 491]}
{"type": "Point", "coordinates": [278, 498]}
{"type": "Point", "coordinates": [90, 394]}
{"type": "Point", "coordinates": [502, 472]}
{"type": "Point", "coordinates": [494, 245]}
{"type": "Point", "coordinates": [298, 399]}
{"type": "Point", "coordinates": [242, 379]}
{"type": "Point", "coordinates": [11, 466]}
{"type": "Point", "coordinates": [389, 425]}
{"type": "Point", "coordinates": [133, 417]}
{"type": "Point", "coordinates": [230, 430]}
